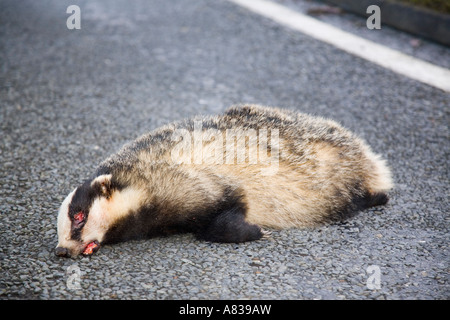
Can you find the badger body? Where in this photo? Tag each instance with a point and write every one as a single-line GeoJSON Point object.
{"type": "Point", "coordinates": [225, 178]}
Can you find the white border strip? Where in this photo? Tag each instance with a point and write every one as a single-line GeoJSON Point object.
{"type": "Point", "coordinates": [388, 58]}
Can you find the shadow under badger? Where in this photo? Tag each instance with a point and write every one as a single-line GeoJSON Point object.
{"type": "Point", "coordinates": [224, 178]}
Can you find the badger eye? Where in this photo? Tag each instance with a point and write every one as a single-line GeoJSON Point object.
{"type": "Point", "coordinates": [79, 217]}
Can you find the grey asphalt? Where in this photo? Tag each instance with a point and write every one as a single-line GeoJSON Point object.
{"type": "Point", "coordinates": [69, 98]}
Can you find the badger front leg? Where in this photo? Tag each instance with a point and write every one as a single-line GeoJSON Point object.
{"type": "Point", "coordinates": [230, 226]}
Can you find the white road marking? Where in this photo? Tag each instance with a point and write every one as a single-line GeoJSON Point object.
{"type": "Point", "coordinates": [396, 61]}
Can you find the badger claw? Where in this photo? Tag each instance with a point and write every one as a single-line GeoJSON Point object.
{"type": "Point", "coordinates": [266, 234]}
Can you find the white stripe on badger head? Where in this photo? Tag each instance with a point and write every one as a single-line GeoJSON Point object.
{"type": "Point", "coordinates": [64, 224]}
{"type": "Point", "coordinates": [97, 222]}
{"type": "Point", "coordinates": [105, 212]}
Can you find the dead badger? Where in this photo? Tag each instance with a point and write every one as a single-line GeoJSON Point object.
{"type": "Point", "coordinates": [223, 178]}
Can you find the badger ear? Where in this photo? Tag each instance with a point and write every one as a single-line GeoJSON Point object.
{"type": "Point", "coordinates": [103, 182]}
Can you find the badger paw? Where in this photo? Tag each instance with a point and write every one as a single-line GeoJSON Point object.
{"type": "Point", "coordinates": [266, 234]}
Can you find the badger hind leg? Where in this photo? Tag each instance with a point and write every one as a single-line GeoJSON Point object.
{"type": "Point", "coordinates": [357, 204]}
{"type": "Point", "coordinates": [230, 226]}
{"type": "Point", "coordinates": [377, 199]}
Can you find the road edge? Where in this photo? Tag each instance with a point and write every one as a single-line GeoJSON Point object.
{"type": "Point", "coordinates": [416, 20]}
{"type": "Point", "coordinates": [391, 59]}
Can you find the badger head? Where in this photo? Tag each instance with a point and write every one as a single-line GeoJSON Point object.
{"type": "Point", "coordinates": [84, 217]}
{"type": "Point", "coordinates": [92, 210]}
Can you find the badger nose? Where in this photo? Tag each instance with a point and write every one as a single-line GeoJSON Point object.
{"type": "Point", "coordinates": [61, 252]}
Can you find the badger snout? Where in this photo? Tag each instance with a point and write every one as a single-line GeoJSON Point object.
{"type": "Point", "coordinates": [61, 252]}
{"type": "Point", "coordinates": [91, 248]}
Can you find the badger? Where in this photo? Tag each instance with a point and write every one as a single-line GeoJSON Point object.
{"type": "Point", "coordinates": [225, 178]}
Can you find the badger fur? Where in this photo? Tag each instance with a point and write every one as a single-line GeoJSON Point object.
{"type": "Point", "coordinates": [224, 178]}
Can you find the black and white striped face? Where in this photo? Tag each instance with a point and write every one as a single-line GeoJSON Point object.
{"type": "Point", "coordinates": [91, 210]}
{"type": "Point", "coordinates": [82, 218]}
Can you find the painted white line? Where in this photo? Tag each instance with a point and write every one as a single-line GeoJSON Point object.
{"type": "Point", "coordinates": [388, 58]}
